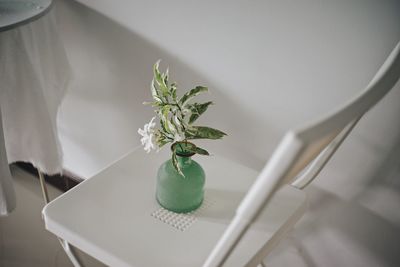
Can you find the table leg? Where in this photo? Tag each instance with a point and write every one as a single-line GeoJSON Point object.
{"type": "Point", "coordinates": [69, 250]}
{"type": "Point", "coordinates": [7, 193]}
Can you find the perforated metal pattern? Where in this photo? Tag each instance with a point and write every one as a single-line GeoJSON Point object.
{"type": "Point", "coordinates": [180, 221]}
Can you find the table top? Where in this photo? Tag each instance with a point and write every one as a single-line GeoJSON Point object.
{"type": "Point", "coordinates": [14, 13]}
{"type": "Point", "coordinates": [114, 216]}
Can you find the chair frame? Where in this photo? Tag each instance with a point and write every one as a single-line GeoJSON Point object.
{"type": "Point", "coordinates": [297, 150]}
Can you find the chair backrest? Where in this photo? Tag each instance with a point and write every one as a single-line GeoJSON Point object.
{"type": "Point", "coordinates": [307, 149]}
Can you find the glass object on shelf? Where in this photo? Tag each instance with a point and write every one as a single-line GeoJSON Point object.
{"type": "Point", "coordinates": [179, 193]}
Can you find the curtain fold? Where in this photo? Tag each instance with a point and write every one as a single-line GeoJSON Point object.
{"type": "Point", "coordinates": [34, 74]}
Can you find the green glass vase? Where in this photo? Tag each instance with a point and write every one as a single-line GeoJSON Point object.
{"type": "Point", "coordinates": [179, 193]}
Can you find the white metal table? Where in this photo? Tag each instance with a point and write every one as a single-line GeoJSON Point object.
{"type": "Point", "coordinates": [106, 215]}
{"type": "Point", "coordinates": [14, 13]}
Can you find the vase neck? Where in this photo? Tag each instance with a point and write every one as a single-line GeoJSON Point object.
{"type": "Point", "coordinates": [184, 160]}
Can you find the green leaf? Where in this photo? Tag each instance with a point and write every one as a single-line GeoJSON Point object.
{"type": "Point", "coordinates": [201, 151]}
{"type": "Point", "coordinates": [192, 93]}
{"type": "Point", "coordinates": [161, 143]}
{"type": "Point", "coordinates": [154, 92]}
{"type": "Point", "coordinates": [177, 122]}
{"type": "Point", "coordinates": [165, 110]}
{"type": "Point", "coordinates": [173, 91]}
{"type": "Point", "coordinates": [201, 132]}
{"type": "Point", "coordinates": [161, 138]}
{"type": "Point", "coordinates": [163, 126]}
{"type": "Point", "coordinates": [159, 79]}
{"type": "Point", "coordinates": [198, 109]}
{"type": "Point", "coordinates": [198, 150]}
{"type": "Point", "coordinates": [172, 126]}
{"type": "Point", "coordinates": [176, 164]}
{"type": "Point", "coordinates": [165, 77]}
{"type": "Point", "coordinates": [154, 103]}
{"type": "Point", "coordinates": [165, 133]}
{"type": "Point", "coordinates": [165, 122]}
{"type": "Point", "coordinates": [168, 126]}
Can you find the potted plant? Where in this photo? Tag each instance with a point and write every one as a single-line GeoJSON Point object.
{"type": "Point", "coordinates": [180, 180]}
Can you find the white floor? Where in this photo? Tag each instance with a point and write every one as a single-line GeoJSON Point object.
{"type": "Point", "coordinates": [23, 240]}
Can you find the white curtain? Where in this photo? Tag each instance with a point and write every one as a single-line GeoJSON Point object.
{"type": "Point", "coordinates": [34, 73]}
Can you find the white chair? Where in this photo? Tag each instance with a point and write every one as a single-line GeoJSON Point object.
{"type": "Point", "coordinates": [116, 220]}
{"type": "Point", "coordinates": [313, 145]}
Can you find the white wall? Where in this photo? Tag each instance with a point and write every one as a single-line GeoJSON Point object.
{"type": "Point", "coordinates": [270, 65]}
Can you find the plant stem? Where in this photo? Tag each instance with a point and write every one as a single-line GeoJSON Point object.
{"type": "Point", "coordinates": [179, 144]}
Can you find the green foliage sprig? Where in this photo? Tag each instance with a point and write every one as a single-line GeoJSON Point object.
{"type": "Point", "coordinates": [176, 117]}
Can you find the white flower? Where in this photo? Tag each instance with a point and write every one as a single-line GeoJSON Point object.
{"type": "Point", "coordinates": [147, 134]}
